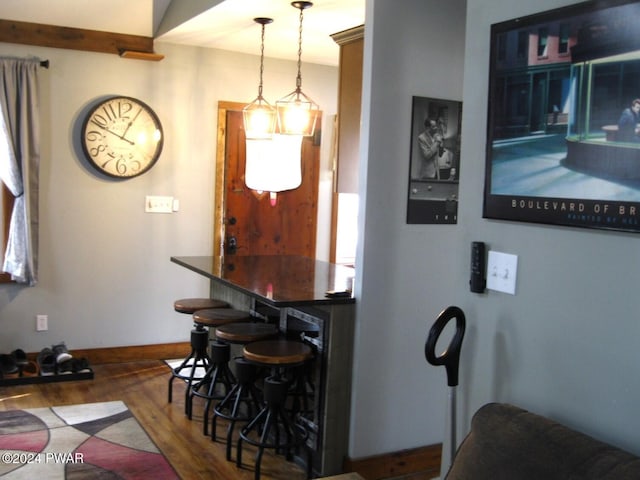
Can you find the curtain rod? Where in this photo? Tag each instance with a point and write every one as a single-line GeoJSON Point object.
{"type": "Point", "coordinates": [43, 63]}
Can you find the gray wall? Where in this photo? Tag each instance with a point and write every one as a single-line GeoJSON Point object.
{"type": "Point", "coordinates": [105, 275]}
{"type": "Point", "coordinates": [565, 345]}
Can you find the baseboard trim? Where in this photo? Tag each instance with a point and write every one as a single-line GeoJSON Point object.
{"type": "Point", "coordinates": [135, 353]}
{"type": "Point", "coordinates": [422, 460]}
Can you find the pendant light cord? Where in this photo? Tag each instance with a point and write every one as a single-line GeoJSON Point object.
{"type": "Point", "coordinates": [299, 77]}
{"type": "Point", "coordinates": [263, 21]}
{"type": "Point", "coordinates": [261, 62]}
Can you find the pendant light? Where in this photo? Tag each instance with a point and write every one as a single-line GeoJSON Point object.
{"type": "Point", "coordinates": [297, 113]}
{"type": "Point", "coordinates": [273, 165]}
{"type": "Point", "coordinates": [259, 116]}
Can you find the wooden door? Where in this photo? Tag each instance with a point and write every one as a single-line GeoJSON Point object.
{"type": "Point", "coordinates": [246, 223]}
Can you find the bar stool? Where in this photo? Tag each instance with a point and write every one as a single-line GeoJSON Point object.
{"type": "Point", "coordinates": [273, 418]}
{"type": "Point", "coordinates": [244, 399]}
{"type": "Point", "coordinates": [303, 386]}
{"type": "Point", "coordinates": [199, 339]}
{"type": "Point", "coordinates": [218, 373]}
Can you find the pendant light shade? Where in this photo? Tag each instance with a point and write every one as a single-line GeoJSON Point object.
{"type": "Point", "coordinates": [273, 165]}
{"type": "Point", "coordinates": [297, 113]}
{"type": "Point", "coordinates": [259, 117]}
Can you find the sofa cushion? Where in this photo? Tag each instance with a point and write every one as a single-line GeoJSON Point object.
{"type": "Point", "coordinates": [508, 443]}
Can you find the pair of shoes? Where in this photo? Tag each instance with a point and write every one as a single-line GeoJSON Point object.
{"type": "Point", "coordinates": [54, 360]}
{"type": "Point", "coordinates": [8, 366]}
{"type": "Point", "coordinates": [16, 365]}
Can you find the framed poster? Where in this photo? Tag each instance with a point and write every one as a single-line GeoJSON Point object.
{"type": "Point", "coordinates": [563, 143]}
{"type": "Point", "coordinates": [434, 167]}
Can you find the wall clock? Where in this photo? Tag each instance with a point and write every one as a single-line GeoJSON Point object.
{"type": "Point", "coordinates": [122, 137]}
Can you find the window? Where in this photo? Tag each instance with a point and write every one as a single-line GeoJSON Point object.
{"type": "Point", "coordinates": [502, 47]}
{"type": "Point", "coordinates": [523, 44]}
{"type": "Point", "coordinates": [6, 206]}
{"type": "Point", "coordinates": [543, 38]}
{"type": "Point", "coordinates": [563, 38]}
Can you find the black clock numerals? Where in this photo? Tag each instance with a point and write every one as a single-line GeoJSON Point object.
{"type": "Point", "coordinates": [93, 136]}
{"type": "Point", "coordinates": [95, 151]}
{"type": "Point", "coordinates": [121, 165]}
{"type": "Point", "coordinates": [111, 112]}
{"type": "Point", "coordinates": [131, 122]}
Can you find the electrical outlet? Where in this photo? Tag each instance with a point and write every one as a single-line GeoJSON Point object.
{"type": "Point", "coordinates": [42, 323]}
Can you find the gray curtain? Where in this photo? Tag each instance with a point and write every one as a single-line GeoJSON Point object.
{"type": "Point", "coordinates": [20, 162]}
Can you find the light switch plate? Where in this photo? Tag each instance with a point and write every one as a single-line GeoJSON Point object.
{"type": "Point", "coordinates": [158, 204]}
{"type": "Point", "coordinates": [502, 269]}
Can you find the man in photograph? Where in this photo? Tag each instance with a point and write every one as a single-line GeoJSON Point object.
{"type": "Point", "coordinates": [434, 155]}
{"type": "Point", "coordinates": [628, 123]}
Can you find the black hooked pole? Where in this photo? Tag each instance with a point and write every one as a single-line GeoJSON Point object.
{"type": "Point", "coordinates": [450, 358]}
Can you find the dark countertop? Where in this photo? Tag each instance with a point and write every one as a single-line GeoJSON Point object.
{"type": "Point", "coordinates": [277, 280]}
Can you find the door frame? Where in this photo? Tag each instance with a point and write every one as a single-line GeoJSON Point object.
{"type": "Point", "coordinates": [220, 181]}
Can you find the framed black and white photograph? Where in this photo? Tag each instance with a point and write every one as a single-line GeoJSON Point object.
{"type": "Point", "coordinates": [435, 161]}
{"type": "Point", "coordinates": [563, 136]}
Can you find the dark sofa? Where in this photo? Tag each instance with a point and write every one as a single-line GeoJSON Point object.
{"type": "Point", "coordinates": [508, 443]}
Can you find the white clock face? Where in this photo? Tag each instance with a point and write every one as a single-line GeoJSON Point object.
{"type": "Point", "coordinates": [122, 137]}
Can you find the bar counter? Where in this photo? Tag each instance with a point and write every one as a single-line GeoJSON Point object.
{"type": "Point", "coordinates": [293, 290]}
{"type": "Point", "coordinates": [276, 280]}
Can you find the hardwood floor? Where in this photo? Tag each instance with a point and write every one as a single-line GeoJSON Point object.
{"type": "Point", "coordinates": [143, 387]}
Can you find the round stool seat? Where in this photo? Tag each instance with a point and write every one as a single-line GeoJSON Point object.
{"type": "Point", "coordinates": [277, 352]}
{"type": "Point", "coordinates": [191, 305]}
{"type": "Point", "coordinates": [246, 332]}
{"type": "Point", "coordinates": [214, 317]}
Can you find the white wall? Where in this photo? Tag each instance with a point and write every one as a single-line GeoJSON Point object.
{"type": "Point", "coordinates": [564, 346]}
{"type": "Point", "coordinates": [105, 274]}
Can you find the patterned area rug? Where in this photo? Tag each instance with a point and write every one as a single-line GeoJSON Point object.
{"type": "Point", "coordinates": [89, 441]}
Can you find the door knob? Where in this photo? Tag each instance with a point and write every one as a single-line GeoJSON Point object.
{"type": "Point", "coordinates": [232, 245]}
{"type": "Point", "coordinates": [233, 221]}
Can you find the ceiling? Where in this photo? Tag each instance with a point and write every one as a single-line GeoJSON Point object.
{"type": "Point", "coordinates": [223, 24]}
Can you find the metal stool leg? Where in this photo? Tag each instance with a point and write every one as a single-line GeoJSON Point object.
{"type": "Point", "coordinates": [275, 423]}
{"type": "Point", "coordinates": [197, 358]}
{"type": "Point", "coordinates": [243, 394]}
{"type": "Point", "coordinates": [218, 374]}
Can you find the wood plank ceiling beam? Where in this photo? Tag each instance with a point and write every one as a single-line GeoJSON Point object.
{"type": "Point", "coordinates": [53, 36]}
